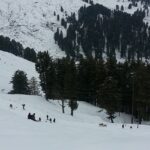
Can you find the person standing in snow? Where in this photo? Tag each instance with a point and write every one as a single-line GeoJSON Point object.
{"type": "Point", "coordinates": [54, 120]}
{"type": "Point", "coordinates": [33, 117]}
{"type": "Point", "coordinates": [29, 116]}
{"type": "Point", "coordinates": [23, 106]}
{"type": "Point", "coordinates": [39, 119]}
{"type": "Point", "coordinates": [11, 106]}
{"type": "Point", "coordinates": [47, 117]}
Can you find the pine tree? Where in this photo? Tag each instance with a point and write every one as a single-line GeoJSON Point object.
{"type": "Point", "coordinates": [20, 83]}
{"type": "Point", "coordinates": [34, 87]}
{"type": "Point", "coordinates": [109, 96]}
{"type": "Point", "coordinates": [142, 87]}
{"type": "Point", "coordinates": [30, 54]}
{"type": "Point", "coordinates": [45, 68]}
{"type": "Point", "coordinates": [70, 84]}
{"type": "Point", "coordinates": [60, 74]}
{"type": "Point", "coordinates": [73, 106]}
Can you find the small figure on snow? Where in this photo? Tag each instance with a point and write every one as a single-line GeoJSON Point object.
{"type": "Point", "coordinates": [11, 106]}
{"type": "Point", "coordinates": [50, 120]}
{"type": "Point", "coordinates": [29, 116]}
{"type": "Point", "coordinates": [47, 117]}
{"type": "Point", "coordinates": [54, 120]}
{"type": "Point", "coordinates": [39, 119]}
{"type": "Point", "coordinates": [122, 126]}
{"type": "Point", "coordinates": [23, 106]}
{"type": "Point", "coordinates": [32, 117]}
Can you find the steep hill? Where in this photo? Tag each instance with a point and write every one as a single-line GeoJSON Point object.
{"type": "Point", "coordinates": [32, 22]}
{"type": "Point", "coordinates": [9, 63]}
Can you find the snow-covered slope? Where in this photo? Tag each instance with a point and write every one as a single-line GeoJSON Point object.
{"type": "Point", "coordinates": [81, 132]}
{"type": "Point", "coordinates": [9, 63]}
{"type": "Point", "coordinates": [68, 133]}
{"type": "Point", "coordinates": [32, 22]}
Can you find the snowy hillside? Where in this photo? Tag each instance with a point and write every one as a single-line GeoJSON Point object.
{"type": "Point", "coordinates": [32, 22]}
{"type": "Point", "coordinates": [9, 63]}
{"type": "Point", "coordinates": [68, 133]}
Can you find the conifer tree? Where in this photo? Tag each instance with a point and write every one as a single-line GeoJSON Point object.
{"type": "Point", "coordinates": [109, 96]}
{"type": "Point", "coordinates": [33, 86]}
{"type": "Point", "coordinates": [45, 68]}
{"type": "Point", "coordinates": [73, 106]}
{"type": "Point", "coordinates": [20, 83]}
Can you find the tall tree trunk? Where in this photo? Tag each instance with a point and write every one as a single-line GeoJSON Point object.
{"type": "Point", "coordinates": [112, 121]}
{"type": "Point", "coordinates": [71, 112]}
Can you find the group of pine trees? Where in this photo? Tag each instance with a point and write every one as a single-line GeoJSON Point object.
{"type": "Point", "coordinates": [117, 87]}
{"type": "Point", "coordinates": [143, 2]}
{"type": "Point", "coordinates": [100, 32]}
{"type": "Point", "coordinates": [17, 49]}
{"type": "Point", "coordinates": [21, 84]}
{"type": "Point", "coordinates": [58, 79]}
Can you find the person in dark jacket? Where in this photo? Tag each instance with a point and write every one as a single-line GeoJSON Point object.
{"type": "Point", "coordinates": [11, 106]}
{"type": "Point", "coordinates": [29, 116]}
{"type": "Point", "coordinates": [23, 106]}
{"type": "Point", "coordinates": [47, 117]}
{"type": "Point", "coordinates": [54, 120]}
{"type": "Point", "coordinates": [32, 117]}
{"type": "Point", "coordinates": [39, 119]}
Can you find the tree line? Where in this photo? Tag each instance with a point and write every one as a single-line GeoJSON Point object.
{"type": "Point", "coordinates": [17, 49]}
{"type": "Point", "coordinates": [21, 85]}
{"type": "Point", "coordinates": [116, 87]}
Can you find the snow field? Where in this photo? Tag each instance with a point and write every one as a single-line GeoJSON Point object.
{"type": "Point", "coordinates": [79, 132]}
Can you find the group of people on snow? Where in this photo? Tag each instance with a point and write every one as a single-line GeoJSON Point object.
{"type": "Point", "coordinates": [11, 106]}
{"type": "Point", "coordinates": [123, 126]}
{"type": "Point", "coordinates": [32, 116]}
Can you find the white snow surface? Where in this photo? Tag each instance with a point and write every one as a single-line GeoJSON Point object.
{"type": "Point", "coordinates": [32, 22]}
{"type": "Point", "coordinates": [10, 63]}
{"type": "Point", "coordinates": [81, 132]}
{"type": "Point", "coordinates": [23, 20]}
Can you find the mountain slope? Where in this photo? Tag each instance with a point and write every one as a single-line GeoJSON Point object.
{"type": "Point", "coordinates": [32, 22]}
{"type": "Point", "coordinates": [9, 63]}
